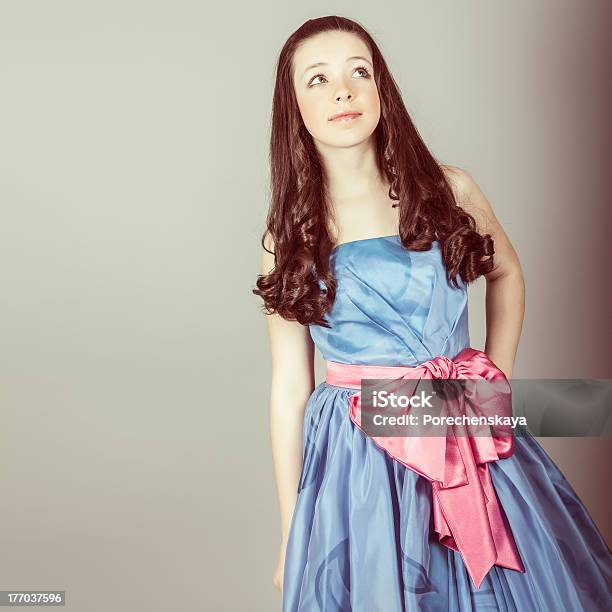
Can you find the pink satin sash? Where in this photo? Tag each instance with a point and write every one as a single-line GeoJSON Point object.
{"type": "Point", "coordinates": [467, 514]}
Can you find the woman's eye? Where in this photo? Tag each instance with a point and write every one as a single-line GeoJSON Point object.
{"type": "Point", "coordinates": [363, 69]}
{"type": "Point", "coordinates": [316, 76]}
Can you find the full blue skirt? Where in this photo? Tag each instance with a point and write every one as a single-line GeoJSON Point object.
{"type": "Point", "coordinates": [362, 538]}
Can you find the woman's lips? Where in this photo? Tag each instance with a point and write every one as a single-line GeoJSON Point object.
{"type": "Point", "coordinates": [346, 117]}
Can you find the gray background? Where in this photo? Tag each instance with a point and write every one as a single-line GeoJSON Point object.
{"type": "Point", "coordinates": [134, 373]}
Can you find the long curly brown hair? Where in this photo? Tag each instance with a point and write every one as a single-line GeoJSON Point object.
{"type": "Point", "coordinates": [299, 213]}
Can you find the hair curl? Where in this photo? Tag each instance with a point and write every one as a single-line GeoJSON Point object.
{"type": "Point", "coordinates": [299, 212]}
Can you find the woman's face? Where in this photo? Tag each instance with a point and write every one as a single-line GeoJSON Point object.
{"type": "Point", "coordinates": [341, 81]}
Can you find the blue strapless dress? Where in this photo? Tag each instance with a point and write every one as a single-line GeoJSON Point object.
{"type": "Point", "coordinates": [361, 537]}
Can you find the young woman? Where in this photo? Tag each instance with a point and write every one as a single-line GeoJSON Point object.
{"type": "Point", "coordinates": [369, 247]}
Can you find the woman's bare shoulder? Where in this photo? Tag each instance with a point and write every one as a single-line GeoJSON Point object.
{"type": "Point", "coordinates": [460, 181]}
{"type": "Point", "coordinates": [470, 197]}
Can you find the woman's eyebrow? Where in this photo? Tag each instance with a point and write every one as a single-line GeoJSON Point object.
{"type": "Point", "coordinates": [348, 59]}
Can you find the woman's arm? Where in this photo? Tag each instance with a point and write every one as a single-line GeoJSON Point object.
{"type": "Point", "coordinates": [505, 290]}
{"type": "Point", "coordinates": [292, 352]}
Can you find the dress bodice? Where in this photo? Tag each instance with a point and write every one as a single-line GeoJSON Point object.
{"type": "Point", "coordinates": [393, 306]}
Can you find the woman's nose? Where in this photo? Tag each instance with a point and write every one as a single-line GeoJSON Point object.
{"type": "Point", "coordinates": [347, 95]}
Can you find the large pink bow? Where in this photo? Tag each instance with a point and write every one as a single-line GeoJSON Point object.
{"type": "Point", "coordinates": [467, 515]}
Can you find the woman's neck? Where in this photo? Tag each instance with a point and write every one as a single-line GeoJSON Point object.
{"type": "Point", "coordinates": [351, 173]}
